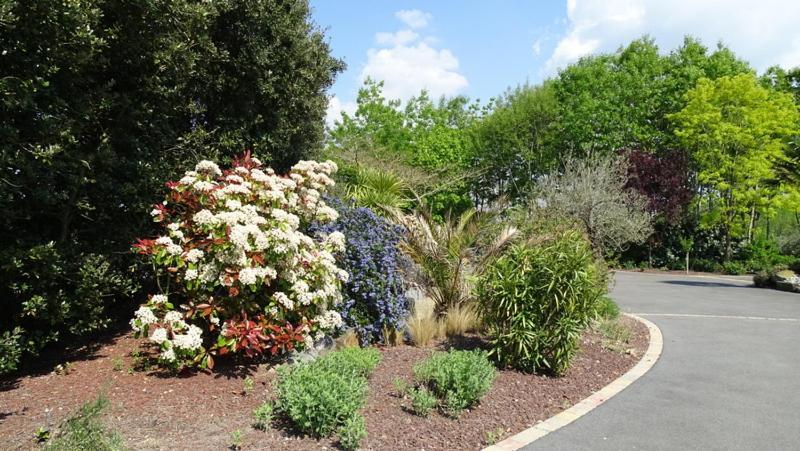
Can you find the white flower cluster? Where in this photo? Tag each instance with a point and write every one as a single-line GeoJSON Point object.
{"type": "Point", "coordinates": [329, 320]}
{"type": "Point", "coordinates": [243, 230]}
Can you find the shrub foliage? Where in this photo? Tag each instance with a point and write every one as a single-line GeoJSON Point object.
{"type": "Point", "coordinates": [235, 256]}
{"type": "Point", "coordinates": [458, 378]}
{"type": "Point", "coordinates": [325, 395]}
{"type": "Point", "coordinates": [536, 300]}
{"type": "Point", "coordinates": [374, 296]}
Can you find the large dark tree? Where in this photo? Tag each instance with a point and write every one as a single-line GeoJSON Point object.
{"type": "Point", "coordinates": [101, 101]}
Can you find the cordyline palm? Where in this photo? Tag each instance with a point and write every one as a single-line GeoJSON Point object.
{"type": "Point", "coordinates": [451, 254]}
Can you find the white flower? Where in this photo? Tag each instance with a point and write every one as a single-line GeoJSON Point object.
{"type": "Point", "coordinates": [168, 355]}
{"type": "Point", "coordinates": [191, 340]}
{"type": "Point", "coordinates": [284, 300]}
{"type": "Point", "coordinates": [233, 204]}
{"type": "Point", "coordinates": [174, 249]}
{"type": "Point", "coordinates": [204, 186]}
{"type": "Point", "coordinates": [173, 317]}
{"type": "Point", "coordinates": [336, 240]}
{"type": "Point", "coordinates": [158, 299]}
{"type": "Point", "coordinates": [155, 212]}
{"type": "Point", "coordinates": [329, 320]}
{"type": "Point", "coordinates": [248, 276]}
{"type": "Point", "coordinates": [144, 315]}
{"type": "Point", "coordinates": [164, 241]}
{"type": "Point", "coordinates": [214, 320]}
{"type": "Point", "coordinates": [159, 335]}
{"type": "Point", "coordinates": [208, 167]}
{"type": "Point", "coordinates": [191, 274]}
{"type": "Point", "coordinates": [204, 217]}
{"type": "Point", "coordinates": [308, 341]}
{"type": "Point", "coordinates": [194, 255]}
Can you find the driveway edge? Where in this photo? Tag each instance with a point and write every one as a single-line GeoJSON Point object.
{"type": "Point", "coordinates": [583, 407]}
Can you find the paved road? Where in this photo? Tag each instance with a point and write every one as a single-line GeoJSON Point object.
{"type": "Point", "coordinates": [728, 377]}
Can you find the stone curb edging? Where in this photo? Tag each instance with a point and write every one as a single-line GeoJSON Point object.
{"type": "Point", "coordinates": [580, 409]}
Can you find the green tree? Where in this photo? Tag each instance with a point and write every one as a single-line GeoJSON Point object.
{"type": "Point", "coordinates": [513, 144]}
{"type": "Point", "coordinates": [738, 131]}
{"type": "Point", "coordinates": [102, 100]}
{"type": "Point", "coordinates": [620, 100]}
{"type": "Point", "coordinates": [434, 136]}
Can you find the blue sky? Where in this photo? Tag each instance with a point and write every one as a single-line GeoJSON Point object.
{"type": "Point", "coordinates": [479, 48]}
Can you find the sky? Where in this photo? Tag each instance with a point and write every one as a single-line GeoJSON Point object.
{"type": "Point", "coordinates": [478, 48]}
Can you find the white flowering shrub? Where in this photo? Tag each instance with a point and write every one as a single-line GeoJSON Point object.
{"type": "Point", "coordinates": [245, 275]}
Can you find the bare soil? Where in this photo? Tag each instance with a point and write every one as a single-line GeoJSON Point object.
{"type": "Point", "coordinates": [202, 410]}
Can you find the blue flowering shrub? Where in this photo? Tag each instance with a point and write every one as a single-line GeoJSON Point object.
{"type": "Point", "coordinates": [374, 296]}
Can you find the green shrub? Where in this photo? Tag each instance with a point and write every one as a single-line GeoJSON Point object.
{"type": "Point", "coordinates": [606, 308]}
{"type": "Point", "coordinates": [320, 396]}
{"type": "Point", "coordinates": [262, 416]}
{"type": "Point", "coordinates": [352, 432]}
{"type": "Point", "coordinates": [459, 378]}
{"type": "Point", "coordinates": [422, 401]}
{"type": "Point", "coordinates": [318, 401]}
{"type": "Point", "coordinates": [10, 350]}
{"type": "Point", "coordinates": [705, 265]}
{"type": "Point", "coordinates": [537, 299]}
{"type": "Point", "coordinates": [734, 267]}
{"type": "Point", "coordinates": [84, 431]}
{"type": "Point", "coordinates": [50, 296]}
{"type": "Point", "coordinates": [350, 361]}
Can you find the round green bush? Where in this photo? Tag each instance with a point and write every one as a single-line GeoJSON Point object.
{"type": "Point", "coordinates": [537, 299]}
{"type": "Point", "coordinates": [459, 378]}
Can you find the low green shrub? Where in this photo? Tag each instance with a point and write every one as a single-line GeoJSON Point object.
{"type": "Point", "coordinates": [262, 416]}
{"type": "Point", "coordinates": [606, 308]}
{"type": "Point", "coordinates": [320, 396]}
{"type": "Point", "coordinates": [350, 361]}
{"type": "Point", "coordinates": [422, 401]}
{"type": "Point", "coordinates": [459, 378]}
{"type": "Point", "coordinates": [10, 350]}
{"type": "Point", "coordinates": [319, 401]}
{"type": "Point", "coordinates": [705, 265]}
{"type": "Point", "coordinates": [352, 432]}
{"type": "Point", "coordinates": [85, 431]}
{"type": "Point", "coordinates": [537, 299]}
{"type": "Point", "coordinates": [733, 267]}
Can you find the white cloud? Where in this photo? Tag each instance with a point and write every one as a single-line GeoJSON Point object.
{"type": "Point", "coordinates": [406, 70]}
{"type": "Point", "coordinates": [408, 62]}
{"type": "Point", "coordinates": [763, 33]}
{"type": "Point", "coordinates": [414, 18]}
{"type": "Point", "coordinates": [335, 109]}
{"type": "Point", "coordinates": [401, 37]}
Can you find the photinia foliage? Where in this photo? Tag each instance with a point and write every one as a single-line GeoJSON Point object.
{"type": "Point", "coordinates": [663, 179]}
{"type": "Point", "coordinates": [235, 254]}
{"type": "Point", "coordinates": [374, 296]}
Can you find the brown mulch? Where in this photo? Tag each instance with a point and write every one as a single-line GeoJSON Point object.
{"type": "Point", "coordinates": [202, 410]}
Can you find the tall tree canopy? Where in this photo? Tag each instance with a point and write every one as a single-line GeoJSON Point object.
{"type": "Point", "coordinates": [738, 132]}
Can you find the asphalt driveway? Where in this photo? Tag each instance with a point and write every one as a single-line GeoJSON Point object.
{"type": "Point", "coordinates": [728, 377]}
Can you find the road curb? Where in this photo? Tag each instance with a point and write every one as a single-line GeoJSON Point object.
{"type": "Point", "coordinates": [580, 409]}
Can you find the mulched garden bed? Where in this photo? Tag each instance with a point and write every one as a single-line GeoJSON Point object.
{"type": "Point", "coordinates": [202, 410]}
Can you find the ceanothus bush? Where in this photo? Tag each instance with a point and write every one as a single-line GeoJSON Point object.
{"type": "Point", "coordinates": [374, 295]}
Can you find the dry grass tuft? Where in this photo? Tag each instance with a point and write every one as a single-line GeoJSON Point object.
{"type": "Point", "coordinates": [423, 326]}
{"type": "Point", "coordinates": [460, 319]}
{"type": "Point", "coordinates": [424, 330]}
{"type": "Point", "coordinates": [348, 340]}
{"type": "Point", "coordinates": [391, 336]}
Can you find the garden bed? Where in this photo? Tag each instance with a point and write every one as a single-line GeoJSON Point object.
{"type": "Point", "coordinates": [203, 410]}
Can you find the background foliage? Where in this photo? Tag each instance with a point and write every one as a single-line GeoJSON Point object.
{"type": "Point", "coordinates": [101, 99]}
